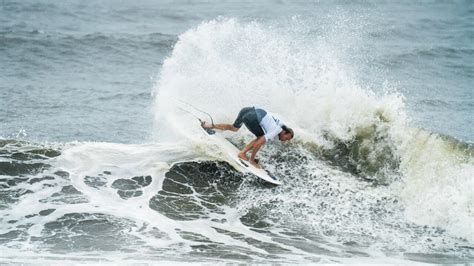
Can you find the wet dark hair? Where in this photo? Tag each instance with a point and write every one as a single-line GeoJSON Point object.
{"type": "Point", "coordinates": [288, 130]}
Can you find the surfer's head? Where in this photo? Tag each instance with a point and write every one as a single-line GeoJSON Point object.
{"type": "Point", "coordinates": [286, 134]}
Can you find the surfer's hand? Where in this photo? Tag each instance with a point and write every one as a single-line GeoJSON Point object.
{"type": "Point", "coordinates": [256, 164]}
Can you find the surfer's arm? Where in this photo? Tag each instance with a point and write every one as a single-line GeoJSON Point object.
{"type": "Point", "coordinates": [272, 134]}
{"type": "Point", "coordinates": [256, 146]}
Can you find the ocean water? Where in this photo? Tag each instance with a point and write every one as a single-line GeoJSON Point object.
{"type": "Point", "coordinates": [99, 164]}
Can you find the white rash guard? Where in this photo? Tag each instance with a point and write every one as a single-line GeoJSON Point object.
{"type": "Point", "coordinates": [271, 125]}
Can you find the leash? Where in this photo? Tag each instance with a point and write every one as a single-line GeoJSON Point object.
{"type": "Point", "coordinates": [199, 110]}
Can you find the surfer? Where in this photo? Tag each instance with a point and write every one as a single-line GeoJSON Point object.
{"type": "Point", "coordinates": [264, 125]}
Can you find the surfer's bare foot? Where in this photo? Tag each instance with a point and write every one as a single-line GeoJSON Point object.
{"type": "Point", "coordinates": [256, 164]}
{"type": "Point", "coordinates": [243, 156]}
{"type": "Point", "coordinates": [206, 125]}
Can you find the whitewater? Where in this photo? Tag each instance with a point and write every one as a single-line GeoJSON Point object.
{"type": "Point", "coordinates": [362, 181]}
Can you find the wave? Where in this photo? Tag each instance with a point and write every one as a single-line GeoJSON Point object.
{"type": "Point", "coordinates": [223, 65]}
{"type": "Point", "coordinates": [358, 181]}
{"type": "Point", "coordinates": [181, 199]}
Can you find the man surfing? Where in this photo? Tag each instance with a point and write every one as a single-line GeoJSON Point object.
{"type": "Point", "coordinates": [264, 125]}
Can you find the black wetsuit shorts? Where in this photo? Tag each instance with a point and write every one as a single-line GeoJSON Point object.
{"type": "Point", "coordinates": [251, 117]}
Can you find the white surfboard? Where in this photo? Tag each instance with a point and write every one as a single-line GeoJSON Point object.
{"type": "Point", "coordinates": [232, 152]}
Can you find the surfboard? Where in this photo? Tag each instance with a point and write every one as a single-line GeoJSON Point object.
{"type": "Point", "coordinates": [232, 152]}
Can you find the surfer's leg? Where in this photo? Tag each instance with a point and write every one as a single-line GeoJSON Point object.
{"type": "Point", "coordinates": [248, 147]}
{"type": "Point", "coordinates": [239, 121]}
{"type": "Point", "coordinates": [250, 120]}
{"type": "Point", "coordinates": [225, 127]}
{"type": "Point", "coordinates": [233, 127]}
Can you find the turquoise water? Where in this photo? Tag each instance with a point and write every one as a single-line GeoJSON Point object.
{"type": "Point", "coordinates": [96, 162]}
